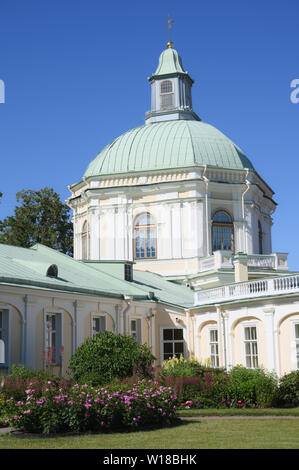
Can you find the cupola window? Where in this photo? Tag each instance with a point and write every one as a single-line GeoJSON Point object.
{"type": "Point", "coordinates": [145, 240]}
{"type": "Point", "coordinates": [167, 94]}
{"type": "Point", "coordinates": [222, 231]}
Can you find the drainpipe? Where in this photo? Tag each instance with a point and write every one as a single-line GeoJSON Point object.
{"type": "Point", "coordinates": [243, 209]}
{"type": "Point", "coordinates": [206, 180]}
{"type": "Point", "coordinates": [149, 318]}
{"type": "Point", "coordinates": [125, 311]}
{"type": "Point", "coordinates": [222, 317]}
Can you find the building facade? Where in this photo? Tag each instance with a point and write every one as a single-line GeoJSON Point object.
{"type": "Point", "coordinates": [172, 245]}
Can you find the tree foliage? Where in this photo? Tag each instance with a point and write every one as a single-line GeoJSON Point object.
{"type": "Point", "coordinates": [39, 217]}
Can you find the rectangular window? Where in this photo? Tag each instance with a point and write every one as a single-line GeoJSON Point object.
{"type": "Point", "coordinates": [4, 337]}
{"type": "Point", "coordinates": [214, 348]}
{"type": "Point", "coordinates": [167, 101]}
{"type": "Point", "coordinates": [98, 324]}
{"type": "Point", "coordinates": [135, 328]}
{"type": "Point", "coordinates": [251, 350]}
{"type": "Point", "coordinates": [2, 344]}
{"type": "Point", "coordinates": [173, 343]}
{"type": "Point", "coordinates": [53, 338]}
{"type": "Point", "coordinates": [297, 343]}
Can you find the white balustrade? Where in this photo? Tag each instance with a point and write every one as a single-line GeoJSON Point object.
{"type": "Point", "coordinates": [224, 259]}
{"type": "Point", "coordinates": [258, 288]}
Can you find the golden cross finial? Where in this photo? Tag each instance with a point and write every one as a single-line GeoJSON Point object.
{"type": "Point", "coordinates": [169, 23]}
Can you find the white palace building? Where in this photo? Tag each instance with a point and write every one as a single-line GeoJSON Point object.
{"type": "Point", "coordinates": [172, 244]}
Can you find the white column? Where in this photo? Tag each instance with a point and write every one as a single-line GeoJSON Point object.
{"type": "Point", "coordinates": [30, 353]}
{"type": "Point", "coordinates": [269, 332]}
{"type": "Point", "coordinates": [227, 341]}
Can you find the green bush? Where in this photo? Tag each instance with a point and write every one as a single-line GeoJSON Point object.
{"type": "Point", "coordinates": [211, 387]}
{"type": "Point", "coordinates": [107, 356]}
{"type": "Point", "coordinates": [288, 390]}
{"type": "Point", "coordinates": [253, 386]}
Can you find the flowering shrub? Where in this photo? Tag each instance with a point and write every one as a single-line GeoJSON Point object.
{"type": "Point", "coordinates": [86, 408]}
{"type": "Point", "coordinates": [180, 367]}
{"type": "Point", "coordinates": [235, 403]}
{"type": "Point", "coordinates": [190, 404]}
{"type": "Point", "coordinates": [206, 389]}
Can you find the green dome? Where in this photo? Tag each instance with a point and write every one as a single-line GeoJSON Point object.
{"type": "Point", "coordinates": [168, 145]}
{"type": "Point", "coordinates": [169, 63]}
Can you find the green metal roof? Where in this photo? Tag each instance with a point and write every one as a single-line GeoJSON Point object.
{"type": "Point", "coordinates": [168, 145]}
{"type": "Point", "coordinates": [169, 63]}
{"type": "Point", "coordinates": [27, 267]}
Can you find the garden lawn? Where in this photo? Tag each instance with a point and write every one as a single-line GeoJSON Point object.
{"type": "Point", "coordinates": [222, 433]}
{"type": "Point", "coordinates": [239, 412]}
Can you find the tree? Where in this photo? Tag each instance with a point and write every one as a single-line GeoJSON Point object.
{"type": "Point", "coordinates": [39, 217]}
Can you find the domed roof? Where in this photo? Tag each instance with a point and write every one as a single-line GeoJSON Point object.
{"type": "Point", "coordinates": [169, 63]}
{"type": "Point", "coordinates": [168, 145]}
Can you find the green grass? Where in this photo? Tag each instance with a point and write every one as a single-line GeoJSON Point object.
{"type": "Point", "coordinates": [220, 433]}
{"type": "Point", "coordinates": [240, 412]}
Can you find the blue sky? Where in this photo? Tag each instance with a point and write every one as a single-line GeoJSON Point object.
{"type": "Point", "coordinates": [76, 73]}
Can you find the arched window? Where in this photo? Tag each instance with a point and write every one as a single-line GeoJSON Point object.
{"type": "Point", "coordinates": [145, 242]}
{"type": "Point", "coordinates": [260, 238]}
{"type": "Point", "coordinates": [167, 94]}
{"type": "Point", "coordinates": [222, 231]}
{"type": "Point", "coordinates": [84, 240]}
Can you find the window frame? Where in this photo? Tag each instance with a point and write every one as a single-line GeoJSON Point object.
{"type": "Point", "coordinates": [167, 93]}
{"type": "Point", "coordinates": [137, 331]}
{"type": "Point", "coordinates": [95, 316]}
{"type": "Point", "coordinates": [144, 228]}
{"type": "Point", "coordinates": [85, 241]}
{"type": "Point", "coordinates": [294, 345]}
{"type": "Point", "coordinates": [59, 319]}
{"type": "Point", "coordinates": [223, 225]}
{"type": "Point", "coordinates": [246, 341]}
{"type": "Point", "coordinates": [162, 341]}
{"type": "Point", "coordinates": [211, 343]}
{"type": "Point", "coordinates": [5, 335]}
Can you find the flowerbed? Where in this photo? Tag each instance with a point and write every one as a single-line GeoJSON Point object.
{"type": "Point", "coordinates": [82, 408]}
{"type": "Point", "coordinates": [224, 403]}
